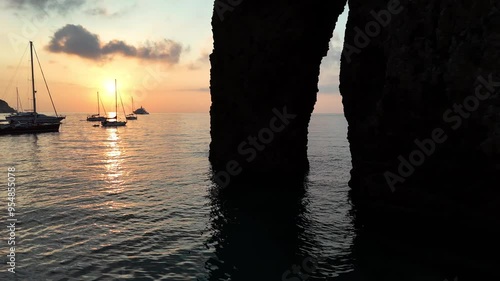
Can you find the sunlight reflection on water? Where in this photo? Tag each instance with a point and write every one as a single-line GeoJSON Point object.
{"type": "Point", "coordinates": [133, 202]}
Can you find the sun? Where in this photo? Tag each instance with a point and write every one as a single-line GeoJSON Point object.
{"type": "Point", "coordinates": [110, 86]}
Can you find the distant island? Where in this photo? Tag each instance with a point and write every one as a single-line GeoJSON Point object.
{"type": "Point", "coordinates": [5, 108]}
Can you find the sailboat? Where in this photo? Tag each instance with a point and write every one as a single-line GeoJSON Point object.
{"type": "Point", "coordinates": [97, 117]}
{"type": "Point", "coordinates": [32, 121]}
{"type": "Point", "coordinates": [131, 116]}
{"type": "Point", "coordinates": [115, 123]}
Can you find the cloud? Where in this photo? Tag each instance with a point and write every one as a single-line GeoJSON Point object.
{"type": "Point", "coordinates": [103, 12]}
{"type": "Point", "coordinates": [330, 66]}
{"type": "Point", "coordinates": [328, 88]}
{"type": "Point", "coordinates": [61, 6]}
{"type": "Point", "coordinates": [76, 40]}
{"type": "Point", "coordinates": [332, 60]}
{"type": "Point", "coordinates": [97, 12]}
{"type": "Point", "coordinates": [201, 89]}
{"type": "Point", "coordinates": [202, 60]}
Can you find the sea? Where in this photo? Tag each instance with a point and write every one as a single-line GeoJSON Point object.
{"type": "Point", "coordinates": [138, 203]}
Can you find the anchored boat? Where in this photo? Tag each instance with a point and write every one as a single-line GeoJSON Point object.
{"type": "Point", "coordinates": [32, 121]}
{"type": "Point", "coordinates": [115, 122]}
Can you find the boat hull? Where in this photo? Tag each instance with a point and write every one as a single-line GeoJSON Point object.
{"type": "Point", "coordinates": [113, 123]}
{"type": "Point", "coordinates": [29, 128]}
{"type": "Point", "coordinates": [96, 118]}
{"type": "Point", "coordinates": [29, 117]}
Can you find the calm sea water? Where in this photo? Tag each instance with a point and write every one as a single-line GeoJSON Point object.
{"type": "Point", "coordinates": [135, 203]}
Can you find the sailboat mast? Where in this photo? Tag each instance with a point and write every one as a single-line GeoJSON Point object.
{"type": "Point", "coordinates": [116, 102]}
{"type": "Point", "coordinates": [17, 100]}
{"type": "Point", "coordinates": [98, 107]}
{"type": "Point", "coordinates": [33, 78]}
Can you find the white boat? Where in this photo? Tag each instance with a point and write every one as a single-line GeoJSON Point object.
{"type": "Point", "coordinates": [97, 117]}
{"type": "Point", "coordinates": [114, 122]}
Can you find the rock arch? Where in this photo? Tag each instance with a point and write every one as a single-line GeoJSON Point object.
{"type": "Point", "coordinates": [413, 74]}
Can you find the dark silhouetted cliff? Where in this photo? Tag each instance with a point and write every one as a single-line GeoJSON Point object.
{"type": "Point", "coordinates": [420, 83]}
{"type": "Point", "coordinates": [421, 99]}
{"type": "Point", "coordinates": [5, 108]}
{"type": "Point", "coordinates": [264, 80]}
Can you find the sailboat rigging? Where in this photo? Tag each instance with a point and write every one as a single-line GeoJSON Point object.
{"type": "Point", "coordinates": [115, 122]}
{"type": "Point", "coordinates": [131, 116]}
{"type": "Point", "coordinates": [97, 117]}
{"type": "Point", "coordinates": [18, 101]}
{"type": "Point", "coordinates": [32, 121]}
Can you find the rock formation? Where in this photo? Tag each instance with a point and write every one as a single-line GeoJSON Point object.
{"type": "Point", "coordinates": [5, 108]}
{"type": "Point", "coordinates": [264, 80]}
{"type": "Point", "coordinates": [421, 98]}
{"type": "Point", "coordinates": [420, 83]}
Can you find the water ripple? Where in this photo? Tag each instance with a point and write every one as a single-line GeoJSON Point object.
{"type": "Point", "coordinates": [132, 203]}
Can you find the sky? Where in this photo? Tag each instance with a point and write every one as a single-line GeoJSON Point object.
{"type": "Point", "coordinates": [157, 50]}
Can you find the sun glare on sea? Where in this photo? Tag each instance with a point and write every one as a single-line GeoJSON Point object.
{"type": "Point", "coordinates": [113, 162]}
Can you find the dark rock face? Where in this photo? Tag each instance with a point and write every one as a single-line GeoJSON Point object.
{"type": "Point", "coordinates": [264, 76]}
{"type": "Point", "coordinates": [424, 91]}
{"type": "Point", "coordinates": [419, 81]}
{"type": "Point", "coordinates": [5, 108]}
{"type": "Point", "coordinates": [421, 99]}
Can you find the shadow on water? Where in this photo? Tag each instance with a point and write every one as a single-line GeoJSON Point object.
{"type": "Point", "coordinates": [258, 230]}
{"type": "Point", "coordinates": [261, 232]}
{"type": "Point", "coordinates": [414, 249]}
